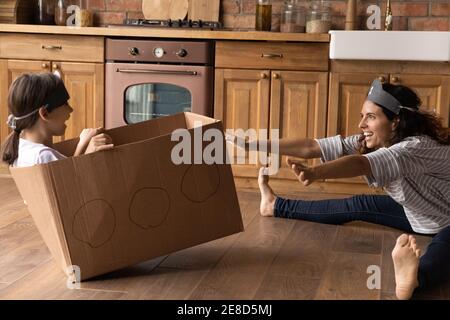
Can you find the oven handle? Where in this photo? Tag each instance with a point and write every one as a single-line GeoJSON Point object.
{"type": "Point", "coordinates": [187, 73]}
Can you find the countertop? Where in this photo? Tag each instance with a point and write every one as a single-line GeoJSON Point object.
{"type": "Point", "coordinates": [167, 33]}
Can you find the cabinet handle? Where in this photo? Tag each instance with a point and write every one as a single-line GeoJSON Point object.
{"type": "Point", "coordinates": [55, 66]}
{"type": "Point", "coordinates": [395, 79]}
{"type": "Point", "coordinates": [44, 65]}
{"type": "Point", "coordinates": [44, 47]}
{"type": "Point", "coordinates": [276, 76]}
{"type": "Point", "coordinates": [271, 55]}
{"type": "Point", "coordinates": [382, 79]}
{"type": "Point", "coordinates": [263, 75]}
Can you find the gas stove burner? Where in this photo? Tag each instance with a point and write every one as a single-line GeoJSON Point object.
{"type": "Point", "coordinates": [191, 24]}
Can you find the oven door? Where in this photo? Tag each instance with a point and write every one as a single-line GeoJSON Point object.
{"type": "Point", "coordinates": [139, 92]}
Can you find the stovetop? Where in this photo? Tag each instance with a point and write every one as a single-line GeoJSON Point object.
{"type": "Point", "coordinates": [176, 24]}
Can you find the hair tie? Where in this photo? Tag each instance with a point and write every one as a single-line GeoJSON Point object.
{"type": "Point", "coordinates": [11, 121]}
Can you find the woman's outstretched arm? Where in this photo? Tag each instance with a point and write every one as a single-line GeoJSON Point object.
{"type": "Point", "coordinates": [344, 167]}
{"type": "Point", "coordinates": [295, 147]}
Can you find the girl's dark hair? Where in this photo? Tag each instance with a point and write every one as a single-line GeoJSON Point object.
{"type": "Point", "coordinates": [411, 123]}
{"type": "Point", "coordinates": [26, 94]}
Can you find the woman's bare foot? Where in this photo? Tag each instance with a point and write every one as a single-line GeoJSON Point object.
{"type": "Point", "coordinates": [406, 264]}
{"type": "Point", "coordinates": [267, 196]}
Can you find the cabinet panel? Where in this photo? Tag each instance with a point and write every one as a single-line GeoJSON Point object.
{"type": "Point", "coordinates": [84, 82]}
{"type": "Point", "coordinates": [298, 108]}
{"type": "Point", "coordinates": [9, 71]}
{"type": "Point", "coordinates": [242, 102]}
{"type": "Point", "coordinates": [433, 90]}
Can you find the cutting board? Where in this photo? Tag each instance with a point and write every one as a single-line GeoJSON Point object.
{"type": "Point", "coordinates": [165, 9]}
{"type": "Point", "coordinates": [206, 10]}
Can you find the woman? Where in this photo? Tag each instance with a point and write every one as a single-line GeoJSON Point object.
{"type": "Point", "coordinates": [38, 105]}
{"type": "Point", "coordinates": [402, 149]}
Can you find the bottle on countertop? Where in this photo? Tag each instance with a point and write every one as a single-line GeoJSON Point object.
{"type": "Point", "coordinates": [61, 14]}
{"type": "Point", "coordinates": [263, 15]}
{"type": "Point", "coordinates": [45, 13]}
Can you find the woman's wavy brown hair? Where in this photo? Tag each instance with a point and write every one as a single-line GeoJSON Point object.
{"type": "Point", "coordinates": [411, 123]}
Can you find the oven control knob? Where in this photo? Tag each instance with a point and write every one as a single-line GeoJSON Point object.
{"type": "Point", "coordinates": [181, 53]}
{"type": "Point", "coordinates": [133, 51]}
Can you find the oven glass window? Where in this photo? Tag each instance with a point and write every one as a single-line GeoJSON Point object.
{"type": "Point", "coordinates": [150, 101]}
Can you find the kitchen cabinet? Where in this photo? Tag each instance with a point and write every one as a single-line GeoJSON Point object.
{"type": "Point", "coordinates": [83, 74]}
{"type": "Point", "coordinates": [350, 82]}
{"type": "Point", "coordinates": [269, 93]}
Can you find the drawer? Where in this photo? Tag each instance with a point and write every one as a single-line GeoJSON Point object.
{"type": "Point", "coordinates": [51, 47]}
{"type": "Point", "coordinates": [272, 55]}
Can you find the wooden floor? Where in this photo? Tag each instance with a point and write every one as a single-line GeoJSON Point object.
{"type": "Point", "coordinates": [273, 259]}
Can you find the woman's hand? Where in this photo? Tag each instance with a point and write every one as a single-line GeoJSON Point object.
{"type": "Point", "coordinates": [303, 173]}
{"type": "Point", "coordinates": [99, 142]}
{"type": "Point", "coordinates": [242, 142]}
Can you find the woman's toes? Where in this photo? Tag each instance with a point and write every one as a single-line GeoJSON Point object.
{"type": "Point", "coordinates": [402, 240]}
{"type": "Point", "coordinates": [417, 251]}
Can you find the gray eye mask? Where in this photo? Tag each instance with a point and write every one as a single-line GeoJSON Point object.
{"type": "Point", "coordinates": [55, 99]}
{"type": "Point", "coordinates": [385, 99]}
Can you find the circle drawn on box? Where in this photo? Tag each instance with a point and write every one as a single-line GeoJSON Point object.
{"type": "Point", "coordinates": [149, 207]}
{"type": "Point", "coordinates": [94, 223]}
{"type": "Point", "coordinates": [196, 192]}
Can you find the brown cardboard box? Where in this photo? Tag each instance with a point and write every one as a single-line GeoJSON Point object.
{"type": "Point", "coordinates": [111, 209]}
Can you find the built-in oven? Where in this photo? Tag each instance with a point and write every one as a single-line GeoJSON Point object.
{"type": "Point", "coordinates": [147, 79]}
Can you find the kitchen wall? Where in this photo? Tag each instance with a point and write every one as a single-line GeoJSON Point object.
{"type": "Point", "coordinates": [240, 14]}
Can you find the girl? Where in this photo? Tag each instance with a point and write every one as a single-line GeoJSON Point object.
{"type": "Point", "coordinates": [401, 148]}
{"type": "Point", "coordinates": [39, 109]}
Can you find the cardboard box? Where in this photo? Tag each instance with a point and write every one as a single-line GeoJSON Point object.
{"type": "Point", "coordinates": [111, 209]}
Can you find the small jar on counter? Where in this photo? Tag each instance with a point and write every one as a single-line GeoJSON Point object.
{"type": "Point", "coordinates": [318, 18]}
{"type": "Point", "coordinates": [293, 17]}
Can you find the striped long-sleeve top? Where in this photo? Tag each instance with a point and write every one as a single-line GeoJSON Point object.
{"type": "Point", "coordinates": [414, 172]}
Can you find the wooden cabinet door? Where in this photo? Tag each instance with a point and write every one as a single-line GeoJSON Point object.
{"type": "Point", "coordinates": [9, 71]}
{"type": "Point", "coordinates": [85, 84]}
{"type": "Point", "coordinates": [433, 90]}
{"type": "Point", "coordinates": [298, 108]}
{"type": "Point", "coordinates": [348, 91]}
{"type": "Point", "coordinates": [242, 102]}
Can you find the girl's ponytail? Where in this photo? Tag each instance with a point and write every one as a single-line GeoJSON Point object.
{"type": "Point", "coordinates": [10, 148]}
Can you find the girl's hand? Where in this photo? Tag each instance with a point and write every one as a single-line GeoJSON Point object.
{"type": "Point", "coordinates": [85, 137]}
{"type": "Point", "coordinates": [303, 173]}
{"type": "Point", "coordinates": [87, 134]}
{"type": "Point", "coordinates": [99, 142]}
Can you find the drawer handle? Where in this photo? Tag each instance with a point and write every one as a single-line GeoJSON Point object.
{"type": "Point", "coordinates": [51, 47]}
{"type": "Point", "coordinates": [271, 55]}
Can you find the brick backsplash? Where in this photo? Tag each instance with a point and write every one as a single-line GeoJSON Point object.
{"type": "Point", "coordinates": [240, 14]}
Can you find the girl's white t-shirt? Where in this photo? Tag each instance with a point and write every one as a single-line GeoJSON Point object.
{"type": "Point", "coordinates": [31, 153]}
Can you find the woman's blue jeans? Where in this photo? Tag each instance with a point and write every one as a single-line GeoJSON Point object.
{"type": "Point", "coordinates": [380, 209]}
